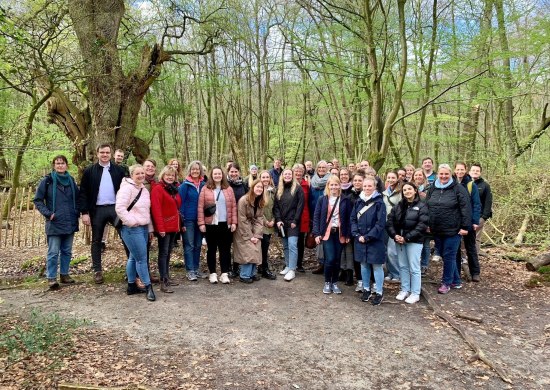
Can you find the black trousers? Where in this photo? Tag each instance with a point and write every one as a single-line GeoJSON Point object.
{"type": "Point", "coordinates": [266, 240]}
{"type": "Point", "coordinates": [101, 216]}
{"type": "Point", "coordinates": [218, 237]}
{"type": "Point", "coordinates": [165, 244]}
{"type": "Point", "coordinates": [471, 253]}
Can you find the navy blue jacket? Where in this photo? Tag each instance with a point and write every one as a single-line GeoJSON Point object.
{"type": "Point", "coordinates": [321, 214]}
{"type": "Point", "coordinates": [475, 200]}
{"type": "Point", "coordinates": [449, 209]}
{"type": "Point", "coordinates": [370, 225]}
{"type": "Point", "coordinates": [66, 213]}
{"type": "Point", "coordinates": [189, 199]}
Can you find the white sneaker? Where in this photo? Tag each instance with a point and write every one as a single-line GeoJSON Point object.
{"type": "Point", "coordinates": [224, 278]}
{"type": "Point", "coordinates": [413, 298]}
{"type": "Point", "coordinates": [284, 271]}
{"type": "Point", "coordinates": [436, 258]}
{"type": "Point", "coordinates": [359, 287]}
{"type": "Point", "coordinates": [387, 278]}
{"type": "Point", "coordinates": [213, 278]}
{"type": "Point", "coordinates": [336, 289]}
{"type": "Point", "coordinates": [290, 275]}
{"type": "Point", "coordinates": [204, 242]}
{"type": "Point", "coordinates": [402, 295]}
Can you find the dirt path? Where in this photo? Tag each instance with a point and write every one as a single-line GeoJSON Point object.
{"type": "Point", "coordinates": [289, 335]}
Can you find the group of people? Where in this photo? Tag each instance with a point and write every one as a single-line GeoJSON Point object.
{"type": "Point", "coordinates": [358, 222]}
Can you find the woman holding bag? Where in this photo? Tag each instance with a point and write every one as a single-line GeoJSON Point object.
{"type": "Point", "coordinates": [331, 227]}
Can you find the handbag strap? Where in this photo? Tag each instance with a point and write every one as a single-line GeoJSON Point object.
{"type": "Point", "coordinates": [334, 208]}
{"type": "Point", "coordinates": [134, 201]}
{"type": "Point", "coordinates": [364, 210]}
{"type": "Point", "coordinates": [218, 197]}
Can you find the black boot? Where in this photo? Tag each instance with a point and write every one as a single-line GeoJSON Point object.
{"type": "Point", "coordinates": [134, 289]}
{"type": "Point", "coordinates": [150, 293]}
{"type": "Point", "coordinates": [266, 273]}
{"type": "Point", "coordinates": [343, 275]}
{"type": "Point", "coordinates": [349, 277]}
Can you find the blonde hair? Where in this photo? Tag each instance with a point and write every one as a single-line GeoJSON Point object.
{"type": "Point", "coordinates": [281, 186]}
{"type": "Point", "coordinates": [133, 168]}
{"type": "Point", "coordinates": [168, 169]}
{"type": "Point", "coordinates": [332, 179]}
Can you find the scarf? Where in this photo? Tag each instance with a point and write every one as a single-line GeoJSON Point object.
{"type": "Point", "coordinates": [236, 182]}
{"type": "Point", "coordinates": [319, 183]}
{"type": "Point", "coordinates": [171, 188]}
{"type": "Point", "coordinates": [345, 186]}
{"type": "Point", "coordinates": [438, 184]}
{"type": "Point", "coordinates": [65, 180]}
{"type": "Point", "coordinates": [366, 198]}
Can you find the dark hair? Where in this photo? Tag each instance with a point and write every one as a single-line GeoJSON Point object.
{"type": "Point", "coordinates": [210, 182]}
{"type": "Point", "coordinates": [461, 163]}
{"type": "Point", "coordinates": [105, 145]}
{"type": "Point", "coordinates": [60, 157]}
{"type": "Point", "coordinates": [476, 164]}
{"type": "Point", "coordinates": [234, 165]}
{"type": "Point", "coordinates": [427, 158]}
{"type": "Point", "coordinates": [152, 161]}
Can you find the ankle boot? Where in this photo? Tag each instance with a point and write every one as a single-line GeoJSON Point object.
{"type": "Point", "coordinates": [349, 277]}
{"type": "Point", "coordinates": [150, 293]}
{"type": "Point", "coordinates": [132, 289]}
{"type": "Point", "coordinates": [165, 286]}
{"type": "Point", "coordinates": [267, 274]}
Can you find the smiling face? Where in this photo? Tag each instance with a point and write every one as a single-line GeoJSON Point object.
{"type": "Point", "coordinates": [475, 172]}
{"type": "Point", "coordinates": [401, 174]}
{"type": "Point", "coordinates": [119, 157]}
{"type": "Point", "coordinates": [351, 167]}
{"type": "Point", "coordinates": [309, 165]}
{"type": "Point", "coordinates": [322, 169]}
{"type": "Point", "coordinates": [409, 171]}
{"type": "Point", "coordinates": [298, 174]}
{"type": "Point", "coordinates": [344, 176]}
{"type": "Point", "coordinates": [60, 166]}
{"type": "Point", "coordinates": [287, 176]}
{"type": "Point", "coordinates": [409, 192]}
{"type": "Point", "coordinates": [460, 171]}
{"type": "Point", "coordinates": [175, 164]}
{"type": "Point", "coordinates": [234, 173]}
{"type": "Point", "coordinates": [368, 187]}
{"type": "Point", "coordinates": [391, 179]}
{"type": "Point", "coordinates": [418, 178]}
{"type": "Point", "coordinates": [265, 179]}
{"type": "Point", "coordinates": [104, 155]}
{"type": "Point", "coordinates": [138, 175]}
{"type": "Point", "coordinates": [258, 189]}
{"type": "Point", "coordinates": [217, 175]}
{"type": "Point", "coordinates": [358, 182]}
{"type": "Point", "coordinates": [149, 168]}
{"type": "Point", "coordinates": [277, 164]}
{"type": "Point", "coordinates": [427, 165]}
{"type": "Point", "coordinates": [334, 188]}
{"type": "Point", "coordinates": [444, 175]}
{"type": "Point", "coordinates": [195, 171]}
{"type": "Point", "coordinates": [169, 178]}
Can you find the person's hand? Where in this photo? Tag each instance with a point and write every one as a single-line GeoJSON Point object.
{"type": "Point", "coordinates": [254, 240]}
{"type": "Point", "coordinates": [347, 240]}
{"type": "Point", "coordinates": [162, 234]}
{"type": "Point", "coordinates": [202, 228]}
{"type": "Point", "coordinates": [292, 225]}
{"type": "Point", "coordinates": [318, 240]}
{"type": "Point", "coordinates": [428, 230]}
{"type": "Point", "coordinates": [361, 239]}
{"type": "Point", "coordinates": [52, 217]}
{"type": "Point", "coordinates": [151, 236]}
{"type": "Point", "coordinates": [233, 227]}
{"type": "Point", "coordinates": [280, 224]}
{"type": "Point", "coordinates": [86, 219]}
{"type": "Point", "coordinates": [476, 227]}
{"type": "Point", "coordinates": [271, 224]}
{"type": "Point", "coordinates": [184, 229]}
{"type": "Point", "coordinates": [463, 232]}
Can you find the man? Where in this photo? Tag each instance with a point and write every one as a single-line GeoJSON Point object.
{"type": "Point", "coordinates": [98, 188]}
{"type": "Point", "coordinates": [427, 167]}
{"type": "Point", "coordinates": [119, 160]}
{"type": "Point", "coordinates": [486, 198]}
{"type": "Point", "coordinates": [470, 238]}
{"type": "Point", "coordinates": [276, 172]}
{"type": "Point", "coordinates": [364, 165]}
{"type": "Point", "coordinates": [351, 168]}
{"type": "Point", "coordinates": [335, 163]}
{"type": "Point", "coordinates": [309, 170]}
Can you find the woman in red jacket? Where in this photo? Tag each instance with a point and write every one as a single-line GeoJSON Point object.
{"type": "Point", "coordinates": [165, 204]}
{"type": "Point", "coordinates": [298, 170]}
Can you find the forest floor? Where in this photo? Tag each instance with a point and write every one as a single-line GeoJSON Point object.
{"type": "Point", "coordinates": [268, 335]}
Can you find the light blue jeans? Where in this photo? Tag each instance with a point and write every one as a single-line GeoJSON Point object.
{"type": "Point", "coordinates": [408, 256]}
{"type": "Point", "coordinates": [60, 247]}
{"type": "Point", "coordinates": [136, 239]}
{"type": "Point", "coordinates": [192, 241]}
{"type": "Point", "coordinates": [290, 248]}
{"type": "Point", "coordinates": [378, 276]}
{"type": "Point", "coordinates": [248, 270]}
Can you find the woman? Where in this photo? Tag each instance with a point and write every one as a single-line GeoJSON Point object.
{"type": "Point", "coordinates": [287, 209]}
{"type": "Point", "coordinates": [189, 192]}
{"type": "Point", "coordinates": [298, 172]}
{"type": "Point", "coordinates": [165, 204]}
{"type": "Point", "coordinates": [392, 196]}
{"type": "Point", "coordinates": [345, 181]}
{"type": "Point", "coordinates": [55, 198]}
{"type": "Point", "coordinates": [355, 193]}
{"type": "Point", "coordinates": [421, 182]}
{"type": "Point", "coordinates": [409, 172]}
{"type": "Point", "coordinates": [252, 176]}
{"type": "Point", "coordinates": [331, 226]}
{"type": "Point", "coordinates": [450, 216]}
{"type": "Point", "coordinates": [346, 261]}
{"type": "Point", "coordinates": [150, 168]}
{"type": "Point", "coordinates": [368, 221]}
{"type": "Point", "coordinates": [317, 186]}
{"type": "Point", "coordinates": [174, 163]}
{"type": "Point", "coordinates": [406, 225]}
{"type": "Point", "coordinates": [269, 223]}
{"type": "Point", "coordinates": [247, 247]}
{"type": "Point", "coordinates": [137, 229]}
{"type": "Point", "coordinates": [219, 226]}
{"type": "Point", "coordinates": [239, 189]}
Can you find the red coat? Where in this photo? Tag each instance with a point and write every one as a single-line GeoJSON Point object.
{"type": "Point", "coordinates": [304, 224]}
{"type": "Point", "coordinates": [165, 209]}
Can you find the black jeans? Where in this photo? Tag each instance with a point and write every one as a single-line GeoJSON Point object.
{"type": "Point", "coordinates": [471, 252]}
{"type": "Point", "coordinates": [301, 247]}
{"type": "Point", "coordinates": [265, 247]}
{"type": "Point", "coordinates": [99, 219]}
{"type": "Point", "coordinates": [218, 237]}
{"type": "Point", "coordinates": [165, 244]}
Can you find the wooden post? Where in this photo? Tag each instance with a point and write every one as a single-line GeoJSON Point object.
{"type": "Point", "coordinates": [27, 213]}
{"type": "Point", "coordinates": [22, 192]}
{"type": "Point", "coordinates": [34, 211]}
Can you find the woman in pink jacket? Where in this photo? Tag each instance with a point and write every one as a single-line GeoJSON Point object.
{"type": "Point", "coordinates": [137, 228]}
{"type": "Point", "coordinates": [219, 222]}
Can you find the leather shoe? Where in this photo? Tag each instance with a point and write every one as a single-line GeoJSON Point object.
{"type": "Point", "coordinates": [319, 270]}
{"type": "Point", "coordinates": [301, 269]}
{"type": "Point", "coordinates": [66, 279]}
{"type": "Point", "coordinates": [269, 275]}
{"type": "Point", "coordinates": [165, 287]}
{"type": "Point", "coordinates": [52, 284]}
{"type": "Point", "coordinates": [98, 277]}
{"type": "Point", "coordinates": [150, 293]}
{"type": "Point", "coordinates": [256, 278]}
{"type": "Point", "coordinates": [246, 280]}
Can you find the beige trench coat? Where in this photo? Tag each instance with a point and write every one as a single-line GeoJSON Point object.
{"type": "Point", "coordinates": [249, 225]}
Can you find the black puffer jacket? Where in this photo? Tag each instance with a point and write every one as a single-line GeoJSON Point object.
{"type": "Point", "coordinates": [409, 220]}
{"type": "Point", "coordinates": [449, 209]}
{"type": "Point", "coordinates": [289, 208]}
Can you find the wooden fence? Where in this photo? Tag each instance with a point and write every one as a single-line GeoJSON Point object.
{"type": "Point", "coordinates": [23, 226]}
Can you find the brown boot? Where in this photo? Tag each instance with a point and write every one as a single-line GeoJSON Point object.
{"type": "Point", "coordinates": [319, 270]}
{"type": "Point", "coordinates": [66, 279]}
{"type": "Point", "coordinates": [165, 287]}
{"type": "Point", "coordinates": [52, 284]}
{"type": "Point", "coordinates": [140, 284]}
{"type": "Point", "coordinates": [98, 277]}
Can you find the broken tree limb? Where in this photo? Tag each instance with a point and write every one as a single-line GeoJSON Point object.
{"type": "Point", "coordinates": [469, 317]}
{"type": "Point", "coordinates": [537, 262]}
{"type": "Point", "coordinates": [478, 352]}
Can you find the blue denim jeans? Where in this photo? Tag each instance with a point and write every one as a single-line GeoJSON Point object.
{"type": "Point", "coordinates": [192, 241]}
{"type": "Point", "coordinates": [290, 248]}
{"type": "Point", "coordinates": [136, 239]}
{"type": "Point", "coordinates": [425, 258]}
{"type": "Point", "coordinates": [392, 265]}
{"type": "Point", "coordinates": [378, 276]}
{"type": "Point", "coordinates": [332, 249]}
{"type": "Point", "coordinates": [248, 270]}
{"type": "Point", "coordinates": [409, 266]}
{"type": "Point", "coordinates": [59, 247]}
{"type": "Point", "coordinates": [447, 247]}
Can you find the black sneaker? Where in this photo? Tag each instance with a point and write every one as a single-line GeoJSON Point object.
{"type": "Point", "coordinates": [366, 295]}
{"type": "Point", "coordinates": [377, 300]}
{"type": "Point", "coordinates": [300, 269]}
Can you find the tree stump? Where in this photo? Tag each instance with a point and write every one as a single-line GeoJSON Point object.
{"type": "Point", "coordinates": [537, 262]}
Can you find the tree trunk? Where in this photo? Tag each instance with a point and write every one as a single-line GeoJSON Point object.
{"type": "Point", "coordinates": [539, 261]}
